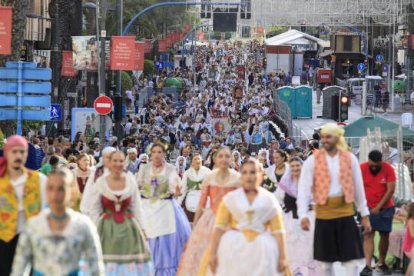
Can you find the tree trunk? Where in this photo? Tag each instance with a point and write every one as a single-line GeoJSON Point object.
{"type": "Point", "coordinates": [20, 8]}
{"type": "Point", "coordinates": [66, 21]}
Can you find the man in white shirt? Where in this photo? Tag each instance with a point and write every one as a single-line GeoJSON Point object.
{"type": "Point", "coordinates": [332, 179]}
{"type": "Point", "coordinates": [22, 196]}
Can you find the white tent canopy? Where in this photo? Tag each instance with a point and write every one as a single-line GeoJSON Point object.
{"type": "Point", "coordinates": [293, 37]}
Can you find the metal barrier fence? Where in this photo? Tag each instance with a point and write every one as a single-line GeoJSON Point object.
{"type": "Point", "coordinates": [283, 110]}
{"type": "Point", "coordinates": [396, 148]}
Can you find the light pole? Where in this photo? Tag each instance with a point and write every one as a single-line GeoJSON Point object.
{"type": "Point", "coordinates": [101, 36]}
{"type": "Point", "coordinates": [119, 132]}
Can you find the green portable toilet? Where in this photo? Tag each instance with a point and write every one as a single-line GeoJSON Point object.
{"type": "Point", "coordinates": [303, 101]}
{"type": "Point", "coordinates": [287, 95]}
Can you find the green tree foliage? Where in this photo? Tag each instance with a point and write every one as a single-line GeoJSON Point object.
{"type": "Point", "coordinates": [154, 23]}
{"type": "Point", "coordinates": [126, 81]}
{"type": "Point", "coordinates": [148, 68]}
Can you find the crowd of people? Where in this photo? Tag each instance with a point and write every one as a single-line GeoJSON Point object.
{"type": "Point", "coordinates": [217, 188]}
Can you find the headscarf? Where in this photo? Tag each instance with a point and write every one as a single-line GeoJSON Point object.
{"type": "Point", "coordinates": [13, 141]}
{"type": "Point", "coordinates": [287, 184]}
{"type": "Point", "coordinates": [105, 151]}
{"type": "Point", "coordinates": [141, 156]}
{"type": "Point", "coordinates": [177, 165]}
{"type": "Point", "coordinates": [337, 131]}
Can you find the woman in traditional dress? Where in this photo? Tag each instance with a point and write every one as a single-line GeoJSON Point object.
{"type": "Point", "coordinates": [54, 241]}
{"type": "Point", "coordinates": [275, 172]}
{"type": "Point", "coordinates": [263, 158]}
{"type": "Point", "coordinates": [303, 263]}
{"type": "Point", "coordinates": [180, 165]}
{"type": "Point", "coordinates": [83, 170]}
{"type": "Point", "coordinates": [116, 209]}
{"type": "Point", "coordinates": [237, 160]}
{"type": "Point", "coordinates": [166, 224]}
{"type": "Point", "coordinates": [249, 236]}
{"type": "Point", "coordinates": [191, 186]}
{"type": "Point", "coordinates": [215, 185]}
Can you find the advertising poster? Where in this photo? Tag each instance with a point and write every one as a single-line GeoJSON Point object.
{"type": "Point", "coordinates": [139, 56]}
{"type": "Point", "coordinates": [85, 53]}
{"type": "Point", "coordinates": [41, 58]}
{"type": "Point", "coordinates": [83, 121]}
{"type": "Point", "coordinates": [5, 30]}
{"type": "Point", "coordinates": [67, 64]}
{"type": "Point", "coordinates": [123, 53]}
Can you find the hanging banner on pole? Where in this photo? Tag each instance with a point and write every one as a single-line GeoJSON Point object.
{"type": "Point", "coordinates": [139, 56]}
{"type": "Point", "coordinates": [5, 30]}
{"type": "Point", "coordinates": [162, 45]}
{"type": "Point", "coordinates": [67, 64]}
{"type": "Point", "coordinates": [122, 53]}
{"type": "Point", "coordinates": [147, 46]}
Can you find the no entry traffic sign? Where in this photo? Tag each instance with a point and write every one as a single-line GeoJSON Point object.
{"type": "Point", "coordinates": [103, 105]}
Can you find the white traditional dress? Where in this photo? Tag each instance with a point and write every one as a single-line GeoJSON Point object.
{"type": "Point", "coordinates": [59, 254]}
{"type": "Point", "coordinates": [191, 189]}
{"type": "Point", "coordinates": [248, 247]}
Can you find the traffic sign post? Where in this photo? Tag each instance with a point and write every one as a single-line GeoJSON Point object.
{"type": "Point", "coordinates": [379, 58]}
{"type": "Point", "coordinates": [56, 112]}
{"type": "Point", "coordinates": [17, 80]}
{"type": "Point", "coordinates": [361, 67]}
{"type": "Point", "coordinates": [103, 105]}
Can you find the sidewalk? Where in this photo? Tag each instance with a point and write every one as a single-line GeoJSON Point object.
{"type": "Point", "coordinates": [309, 125]}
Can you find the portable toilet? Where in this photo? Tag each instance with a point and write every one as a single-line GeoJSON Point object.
{"type": "Point", "coordinates": [287, 95]}
{"type": "Point", "coordinates": [329, 93]}
{"type": "Point", "coordinates": [303, 101]}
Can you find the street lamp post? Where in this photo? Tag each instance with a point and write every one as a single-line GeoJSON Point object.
{"type": "Point", "coordinates": [101, 34]}
{"type": "Point", "coordinates": [119, 132]}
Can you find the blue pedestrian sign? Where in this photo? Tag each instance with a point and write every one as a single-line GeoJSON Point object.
{"type": "Point", "coordinates": [385, 68]}
{"type": "Point", "coordinates": [361, 67]}
{"type": "Point", "coordinates": [56, 112]}
{"type": "Point", "coordinates": [379, 58]}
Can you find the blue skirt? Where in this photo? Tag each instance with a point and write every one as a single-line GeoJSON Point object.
{"type": "Point", "coordinates": [166, 250]}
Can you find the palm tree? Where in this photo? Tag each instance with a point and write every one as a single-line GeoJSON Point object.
{"type": "Point", "coordinates": [20, 9]}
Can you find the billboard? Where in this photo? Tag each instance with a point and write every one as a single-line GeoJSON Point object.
{"type": "Point", "coordinates": [225, 21]}
{"type": "Point", "coordinates": [85, 53]}
{"type": "Point", "coordinates": [83, 121]}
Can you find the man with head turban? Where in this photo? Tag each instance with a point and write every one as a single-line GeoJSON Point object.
{"type": "Point", "coordinates": [332, 178]}
{"type": "Point", "coordinates": [101, 169]}
{"type": "Point", "coordinates": [21, 197]}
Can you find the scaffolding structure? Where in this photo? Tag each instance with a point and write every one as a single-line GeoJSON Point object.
{"type": "Point", "coordinates": [327, 13]}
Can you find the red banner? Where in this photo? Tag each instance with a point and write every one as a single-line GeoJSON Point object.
{"type": "Point", "coordinates": [405, 42]}
{"type": "Point", "coordinates": [5, 30]}
{"type": "Point", "coordinates": [168, 41]}
{"type": "Point", "coordinates": [67, 65]}
{"type": "Point", "coordinates": [162, 45]}
{"type": "Point", "coordinates": [122, 53]}
{"type": "Point", "coordinates": [147, 46]}
{"type": "Point", "coordinates": [139, 56]}
{"type": "Point", "coordinates": [201, 36]}
{"type": "Point", "coordinates": [412, 42]}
